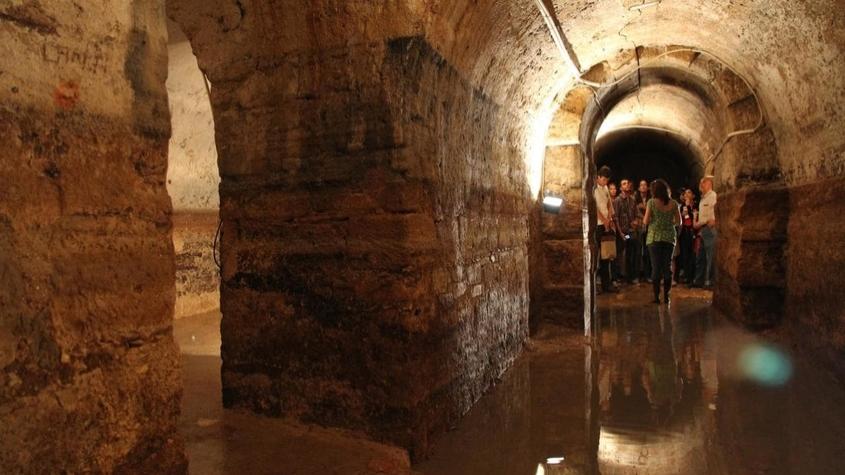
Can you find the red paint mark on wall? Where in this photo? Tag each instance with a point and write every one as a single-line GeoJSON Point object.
{"type": "Point", "coordinates": [66, 94]}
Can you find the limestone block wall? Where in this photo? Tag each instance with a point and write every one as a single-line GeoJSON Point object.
{"type": "Point", "coordinates": [192, 175]}
{"type": "Point", "coordinates": [562, 246]}
{"type": "Point", "coordinates": [89, 379]}
{"type": "Point", "coordinates": [814, 296]}
{"type": "Point", "coordinates": [333, 120]}
{"type": "Point", "coordinates": [197, 275]}
{"type": "Point", "coordinates": [192, 180]}
{"type": "Point", "coordinates": [374, 247]}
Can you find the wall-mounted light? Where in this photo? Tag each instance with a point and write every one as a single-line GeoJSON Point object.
{"type": "Point", "coordinates": [552, 466]}
{"type": "Point", "coordinates": [552, 204]}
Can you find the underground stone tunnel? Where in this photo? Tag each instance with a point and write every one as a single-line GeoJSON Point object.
{"type": "Point", "coordinates": [357, 187]}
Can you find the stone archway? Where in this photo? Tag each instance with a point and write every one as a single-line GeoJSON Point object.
{"type": "Point", "coordinates": [693, 95]}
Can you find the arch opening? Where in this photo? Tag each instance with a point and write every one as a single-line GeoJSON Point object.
{"type": "Point", "coordinates": [375, 198]}
{"type": "Point", "coordinates": [641, 153]}
{"type": "Point", "coordinates": [665, 111]}
{"type": "Point", "coordinates": [193, 179]}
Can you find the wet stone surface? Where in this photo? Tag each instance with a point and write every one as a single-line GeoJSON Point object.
{"type": "Point", "coordinates": [671, 389]}
{"type": "Point", "coordinates": [664, 390]}
{"type": "Point", "coordinates": [220, 441]}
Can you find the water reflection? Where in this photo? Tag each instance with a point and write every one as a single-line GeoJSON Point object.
{"type": "Point", "coordinates": [682, 390]}
{"type": "Point", "coordinates": [657, 390]}
{"type": "Point", "coordinates": [653, 389]}
{"type": "Point", "coordinates": [677, 390]}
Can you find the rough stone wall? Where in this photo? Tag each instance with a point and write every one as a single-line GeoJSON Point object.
{"type": "Point", "coordinates": [792, 54]}
{"type": "Point", "coordinates": [89, 378]}
{"type": "Point", "coordinates": [814, 295]}
{"type": "Point", "coordinates": [751, 255]}
{"type": "Point", "coordinates": [374, 243]}
{"type": "Point", "coordinates": [192, 180]}
{"type": "Point", "coordinates": [561, 246]}
{"type": "Point", "coordinates": [192, 176]}
{"type": "Point", "coordinates": [197, 275]}
{"type": "Point", "coordinates": [320, 121]}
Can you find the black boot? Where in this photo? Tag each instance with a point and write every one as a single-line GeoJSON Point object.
{"type": "Point", "coordinates": [656, 286]}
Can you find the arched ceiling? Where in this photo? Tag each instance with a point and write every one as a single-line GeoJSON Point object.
{"type": "Point", "coordinates": [669, 108]}
{"type": "Point", "coordinates": [789, 51]}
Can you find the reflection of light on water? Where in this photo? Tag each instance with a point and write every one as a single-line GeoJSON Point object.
{"type": "Point", "coordinates": [765, 364]}
{"type": "Point", "coordinates": [631, 450]}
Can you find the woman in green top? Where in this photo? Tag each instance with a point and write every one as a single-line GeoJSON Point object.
{"type": "Point", "coordinates": [662, 214]}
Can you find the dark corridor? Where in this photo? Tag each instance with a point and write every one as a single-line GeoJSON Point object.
{"type": "Point", "coordinates": [647, 154]}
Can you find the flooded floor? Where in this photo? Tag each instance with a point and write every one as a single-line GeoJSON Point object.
{"type": "Point", "coordinates": [220, 441]}
{"type": "Point", "coordinates": [662, 389]}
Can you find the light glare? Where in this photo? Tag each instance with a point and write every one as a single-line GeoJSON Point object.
{"type": "Point", "coordinates": [553, 201]}
{"type": "Point", "coordinates": [765, 364]}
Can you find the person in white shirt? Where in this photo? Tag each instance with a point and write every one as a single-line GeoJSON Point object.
{"type": "Point", "coordinates": [604, 218]}
{"type": "Point", "coordinates": [705, 222]}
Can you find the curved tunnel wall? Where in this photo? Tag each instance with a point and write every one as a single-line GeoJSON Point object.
{"type": "Point", "coordinates": [192, 180]}
{"type": "Point", "coordinates": [377, 128]}
{"type": "Point", "coordinates": [439, 100]}
{"type": "Point", "coordinates": [679, 97]}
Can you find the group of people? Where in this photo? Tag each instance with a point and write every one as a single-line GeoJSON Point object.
{"type": "Point", "coordinates": [647, 235]}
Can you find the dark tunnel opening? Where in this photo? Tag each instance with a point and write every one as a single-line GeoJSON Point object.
{"type": "Point", "coordinates": [647, 154]}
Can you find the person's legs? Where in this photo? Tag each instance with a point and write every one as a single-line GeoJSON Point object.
{"type": "Point", "coordinates": [679, 261]}
{"type": "Point", "coordinates": [604, 264]}
{"type": "Point", "coordinates": [619, 262]}
{"type": "Point", "coordinates": [655, 256]}
{"type": "Point", "coordinates": [677, 267]}
{"type": "Point", "coordinates": [691, 266]}
{"type": "Point", "coordinates": [700, 264]}
{"type": "Point", "coordinates": [632, 259]}
{"type": "Point", "coordinates": [668, 252]}
{"type": "Point", "coordinates": [646, 259]}
{"type": "Point", "coordinates": [709, 244]}
{"type": "Point", "coordinates": [688, 256]}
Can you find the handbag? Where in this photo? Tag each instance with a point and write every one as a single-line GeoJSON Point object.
{"type": "Point", "coordinates": [608, 247]}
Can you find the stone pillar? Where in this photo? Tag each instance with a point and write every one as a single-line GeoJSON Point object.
{"type": "Point", "coordinates": [89, 378]}
{"type": "Point", "coordinates": [374, 240]}
{"type": "Point", "coordinates": [751, 255]}
{"type": "Point", "coordinates": [563, 239]}
{"type": "Point", "coordinates": [192, 180]}
{"type": "Point", "coordinates": [561, 277]}
{"type": "Point", "coordinates": [815, 259]}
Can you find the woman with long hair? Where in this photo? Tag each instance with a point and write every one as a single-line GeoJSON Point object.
{"type": "Point", "coordinates": [661, 216]}
{"type": "Point", "coordinates": [685, 267]}
{"type": "Point", "coordinates": [642, 196]}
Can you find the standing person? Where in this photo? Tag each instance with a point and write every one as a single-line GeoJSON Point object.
{"type": "Point", "coordinates": [605, 224]}
{"type": "Point", "coordinates": [661, 217]}
{"type": "Point", "coordinates": [643, 195]}
{"type": "Point", "coordinates": [686, 257]}
{"type": "Point", "coordinates": [705, 221]}
{"type": "Point", "coordinates": [628, 222]}
{"type": "Point", "coordinates": [614, 192]}
{"type": "Point", "coordinates": [615, 264]}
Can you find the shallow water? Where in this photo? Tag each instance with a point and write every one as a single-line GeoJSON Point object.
{"type": "Point", "coordinates": [672, 389]}
{"type": "Point", "coordinates": [669, 389]}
